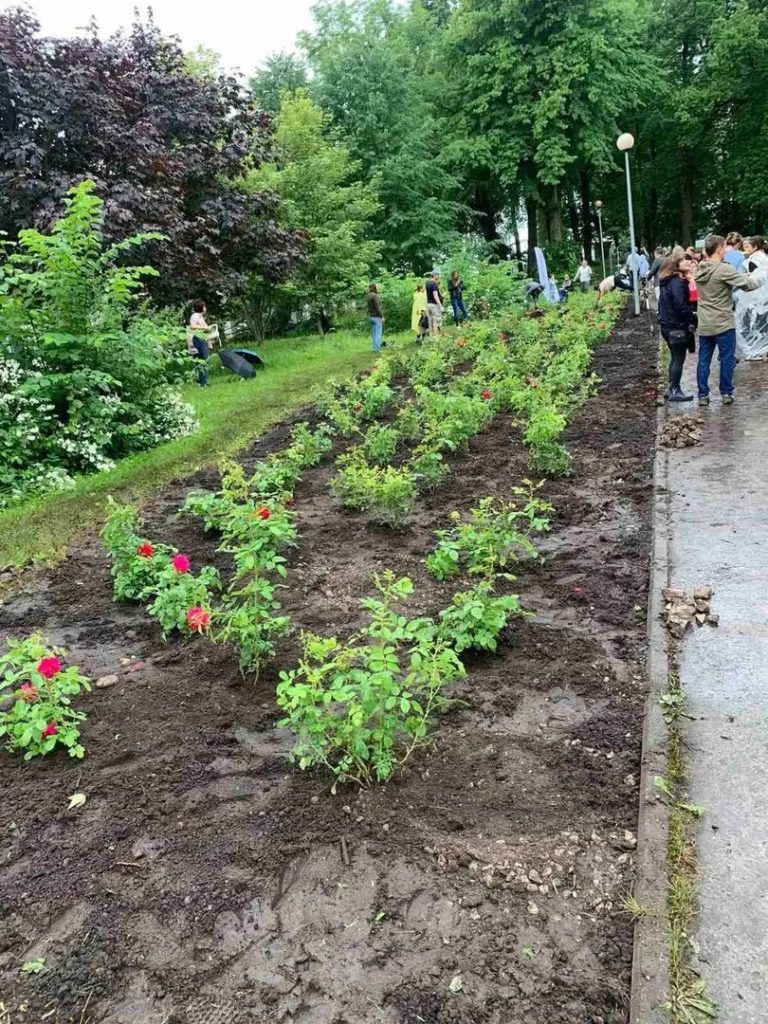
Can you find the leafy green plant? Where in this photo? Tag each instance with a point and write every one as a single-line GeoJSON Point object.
{"type": "Point", "coordinates": [393, 496]}
{"type": "Point", "coordinates": [136, 563]}
{"type": "Point", "coordinates": [387, 495]}
{"type": "Point", "coordinates": [497, 533]}
{"type": "Point", "coordinates": [475, 618]}
{"type": "Point", "coordinates": [157, 574]}
{"type": "Point", "coordinates": [309, 446]}
{"type": "Point", "coordinates": [247, 620]}
{"type": "Point", "coordinates": [428, 468]}
{"type": "Point", "coordinates": [363, 707]}
{"type": "Point", "coordinates": [40, 689]}
{"type": "Point", "coordinates": [410, 422]}
{"type": "Point", "coordinates": [178, 593]}
{"type": "Point", "coordinates": [452, 419]}
{"type": "Point", "coordinates": [86, 374]}
{"type": "Point", "coordinates": [541, 434]}
{"type": "Point", "coordinates": [381, 443]}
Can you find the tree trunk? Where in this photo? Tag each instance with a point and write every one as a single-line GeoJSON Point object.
{"type": "Point", "coordinates": [686, 219]}
{"type": "Point", "coordinates": [554, 215]}
{"type": "Point", "coordinates": [586, 213]}
{"type": "Point", "coordinates": [487, 213]}
{"type": "Point", "coordinates": [531, 214]}
{"type": "Point", "coordinates": [516, 236]}
{"type": "Point", "coordinates": [573, 215]}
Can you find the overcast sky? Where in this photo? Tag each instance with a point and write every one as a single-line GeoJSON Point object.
{"type": "Point", "coordinates": [244, 32]}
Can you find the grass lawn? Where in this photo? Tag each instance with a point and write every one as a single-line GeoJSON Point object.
{"type": "Point", "coordinates": [232, 412]}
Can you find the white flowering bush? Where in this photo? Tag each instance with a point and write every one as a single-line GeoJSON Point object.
{"type": "Point", "coordinates": [86, 375]}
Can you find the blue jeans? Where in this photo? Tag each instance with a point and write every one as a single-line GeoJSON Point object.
{"type": "Point", "coordinates": [726, 343]}
{"type": "Point", "coordinates": [459, 308]}
{"type": "Point", "coordinates": [377, 327]}
{"type": "Point", "coordinates": [200, 346]}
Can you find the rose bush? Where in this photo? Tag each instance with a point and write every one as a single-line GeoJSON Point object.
{"type": "Point", "coordinates": [36, 691]}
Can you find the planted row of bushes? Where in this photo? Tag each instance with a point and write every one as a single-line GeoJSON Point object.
{"type": "Point", "coordinates": [538, 370]}
{"type": "Point", "coordinates": [362, 705]}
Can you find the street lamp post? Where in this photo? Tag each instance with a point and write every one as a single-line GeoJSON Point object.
{"type": "Point", "coordinates": [625, 142]}
{"type": "Point", "coordinates": [599, 208]}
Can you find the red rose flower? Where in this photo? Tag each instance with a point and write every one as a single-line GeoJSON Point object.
{"type": "Point", "coordinates": [49, 667]}
{"type": "Point", "coordinates": [198, 619]}
{"type": "Point", "coordinates": [50, 730]}
{"type": "Point", "coordinates": [485, 395]}
{"type": "Point", "coordinates": [290, 502]}
{"type": "Point", "coordinates": [263, 513]}
{"type": "Point", "coordinates": [180, 563]}
{"type": "Point", "coordinates": [28, 693]}
{"type": "Point", "coordinates": [145, 550]}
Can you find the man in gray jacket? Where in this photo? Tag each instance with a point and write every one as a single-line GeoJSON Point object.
{"type": "Point", "coordinates": [715, 281]}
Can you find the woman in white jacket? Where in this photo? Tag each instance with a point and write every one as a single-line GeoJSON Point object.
{"type": "Point", "coordinates": [752, 307]}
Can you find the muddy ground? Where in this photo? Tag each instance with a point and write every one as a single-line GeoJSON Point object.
{"type": "Point", "coordinates": [204, 881]}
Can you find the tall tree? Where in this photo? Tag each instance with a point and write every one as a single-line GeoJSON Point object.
{"type": "Point", "coordinates": [374, 72]}
{"type": "Point", "coordinates": [164, 147]}
{"type": "Point", "coordinates": [281, 73]}
{"type": "Point", "coordinates": [316, 179]}
{"type": "Point", "coordinates": [541, 83]}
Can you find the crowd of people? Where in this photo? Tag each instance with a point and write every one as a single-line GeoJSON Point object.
{"type": "Point", "coordinates": [719, 293]}
{"type": "Point", "coordinates": [426, 310]}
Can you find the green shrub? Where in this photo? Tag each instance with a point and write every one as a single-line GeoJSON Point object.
{"type": "Point", "coordinates": [381, 444]}
{"type": "Point", "coordinates": [475, 618]}
{"type": "Point", "coordinates": [86, 375]}
{"type": "Point", "coordinates": [363, 707]}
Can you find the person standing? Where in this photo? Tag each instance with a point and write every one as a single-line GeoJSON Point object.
{"type": "Point", "coordinates": [733, 254]}
{"type": "Point", "coordinates": [755, 256]}
{"type": "Point", "coordinates": [643, 267]}
{"type": "Point", "coordinates": [418, 309]}
{"type": "Point", "coordinates": [584, 275]}
{"type": "Point", "coordinates": [434, 304]}
{"type": "Point", "coordinates": [456, 292]}
{"type": "Point", "coordinates": [751, 312]}
{"type": "Point", "coordinates": [376, 316]}
{"type": "Point", "coordinates": [715, 280]}
{"type": "Point", "coordinates": [677, 320]}
{"type": "Point", "coordinates": [655, 269]}
{"type": "Point", "coordinates": [197, 340]}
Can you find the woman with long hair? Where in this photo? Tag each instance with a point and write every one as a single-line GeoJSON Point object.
{"type": "Point", "coordinates": [677, 319]}
{"type": "Point", "coordinates": [198, 332]}
{"type": "Point", "coordinates": [456, 290]}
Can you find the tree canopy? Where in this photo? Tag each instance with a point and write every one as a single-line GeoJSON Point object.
{"type": "Point", "coordinates": [163, 143]}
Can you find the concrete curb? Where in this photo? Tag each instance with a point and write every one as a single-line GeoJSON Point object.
{"type": "Point", "coordinates": [650, 961]}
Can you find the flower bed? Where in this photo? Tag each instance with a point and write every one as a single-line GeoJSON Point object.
{"type": "Point", "coordinates": [203, 868]}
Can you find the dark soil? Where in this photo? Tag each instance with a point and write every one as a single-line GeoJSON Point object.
{"type": "Point", "coordinates": [204, 880]}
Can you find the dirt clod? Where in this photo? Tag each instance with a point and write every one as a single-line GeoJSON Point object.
{"type": "Point", "coordinates": [682, 431]}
